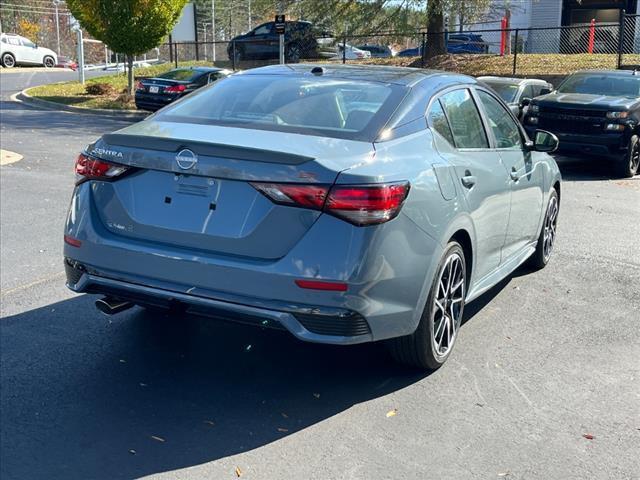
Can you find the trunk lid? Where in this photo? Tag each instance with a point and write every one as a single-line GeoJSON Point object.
{"type": "Point", "coordinates": [190, 187]}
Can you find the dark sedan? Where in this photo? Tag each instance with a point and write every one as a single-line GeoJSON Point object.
{"type": "Point", "coordinates": [154, 93]}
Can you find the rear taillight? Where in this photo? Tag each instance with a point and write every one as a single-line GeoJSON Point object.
{"type": "Point", "coordinates": [358, 204]}
{"type": "Point", "coordinates": [89, 168]}
{"type": "Point", "coordinates": [139, 86]}
{"type": "Point", "coordinates": [175, 89]}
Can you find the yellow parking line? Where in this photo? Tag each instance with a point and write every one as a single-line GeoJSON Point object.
{"type": "Point", "coordinates": [4, 293]}
{"type": "Point", "coordinates": [7, 157]}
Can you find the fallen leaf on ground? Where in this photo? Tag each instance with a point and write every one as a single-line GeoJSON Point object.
{"type": "Point", "coordinates": [392, 413]}
{"type": "Point", "coordinates": [238, 472]}
{"type": "Point", "coordinates": [159, 439]}
{"type": "Point", "coordinates": [588, 436]}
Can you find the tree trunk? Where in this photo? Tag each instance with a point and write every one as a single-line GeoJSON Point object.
{"type": "Point", "coordinates": [130, 74]}
{"type": "Point", "coordinates": [435, 34]}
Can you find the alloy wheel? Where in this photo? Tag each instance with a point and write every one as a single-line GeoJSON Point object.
{"type": "Point", "coordinates": [48, 62]}
{"type": "Point", "coordinates": [634, 160]}
{"type": "Point", "coordinates": [550, 225]}
{"type": "Point", "coordinates": [8, 61]}
{"type": "Point", "coordinates": [448, 305]}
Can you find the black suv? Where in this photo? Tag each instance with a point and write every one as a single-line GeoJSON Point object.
{"type": "Point", "coordinates": [594, 112]}
{"type": "Point", "coordinates": [301, 39]}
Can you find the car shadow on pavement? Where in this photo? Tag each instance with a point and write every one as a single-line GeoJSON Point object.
{"type": "Point", "coordinates": [89, 396]}
{"type": "Point", "coordinates": [586, 169]}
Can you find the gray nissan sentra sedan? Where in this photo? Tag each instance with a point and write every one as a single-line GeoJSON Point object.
{"type": "Point", "coordinates": [345, 204]}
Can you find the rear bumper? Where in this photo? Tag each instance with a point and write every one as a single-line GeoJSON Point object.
{"type": "Point", "coordinates": [308, 323]}
{"type": "Point", "coordinates": [152, 102]}
{"type": "Point", "coordinates": [387, 269]}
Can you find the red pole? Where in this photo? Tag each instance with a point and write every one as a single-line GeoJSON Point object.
{"type": "Point", "coordinates": [592, 35]}
{"type": "Point", "coordinates": [503, 36]}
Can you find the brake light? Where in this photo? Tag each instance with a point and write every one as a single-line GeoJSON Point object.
{"type": "Point", "coordinates": [320, 285]}
{"type": "Point", "coordinates": [357, 204]}
{"type": "Point", "coordinates": [175, 89]}
{"type": "Point", "coordinates": [89, 168]}
{"type": "Point", "coordinates": [139, 86]}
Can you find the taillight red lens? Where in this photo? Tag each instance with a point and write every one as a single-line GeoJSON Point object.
{"type": "Point", "coordinates": [321, 285]}
{"type": "Point", "coordinates": [367, 204]}
{"type": "Point", "coordinates": [308, 196]}
{"type": "Point", "coordinates": [88, 168]}
{"type": "Point", "coordinates": [357, 204]}
{"type": "Point", "coordinates": [175, 89]}
{"type": "Point", "coordinates": [139, 86]}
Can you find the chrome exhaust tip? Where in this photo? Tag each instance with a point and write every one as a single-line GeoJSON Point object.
{"type": "Point", "coordinates": [111, 306]}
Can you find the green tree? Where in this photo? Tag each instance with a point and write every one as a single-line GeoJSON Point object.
{"type": "Point", "coordinates": [130, 27]}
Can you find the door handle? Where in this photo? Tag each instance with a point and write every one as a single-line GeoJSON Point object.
{"type": "Point", "coordinates": [514, 174]}
{"type": "Point", "coordinates": [468, 180]}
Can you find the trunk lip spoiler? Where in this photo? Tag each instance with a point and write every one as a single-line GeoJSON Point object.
{"type": "Point", "coordinates": [205, 148]}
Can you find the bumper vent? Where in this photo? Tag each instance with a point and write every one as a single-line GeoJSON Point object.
{"type": "Point", "coordinates": [344, 326]}
{"type": "Point", "coordinates": [73, 270]}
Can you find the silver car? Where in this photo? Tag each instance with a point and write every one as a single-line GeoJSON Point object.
{"type": "Point", "coordinates": [344, 204]}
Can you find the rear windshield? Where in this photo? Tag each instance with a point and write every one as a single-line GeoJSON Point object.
{"type": "Point", "coordinates": [602, 84]}
{"type": "Point", "coordinates": [506, 91]}
{"type": "Point", "coordinates": [183, 74]}
{"type": "Point", "coordinates": [310, 105]}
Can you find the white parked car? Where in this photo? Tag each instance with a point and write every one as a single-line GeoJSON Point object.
{"type": "Point", "coordinates": [17, 50]}
{"type": "Point", "coordinates": [352, 53]}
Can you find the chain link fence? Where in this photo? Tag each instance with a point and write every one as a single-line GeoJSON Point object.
{"type": "Point", "coordinates": [493, 51]}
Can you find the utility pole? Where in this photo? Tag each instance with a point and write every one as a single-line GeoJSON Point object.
{"type": "Point", "coordinates": [55, 4]}
{"type": "Point", "coordinates": [204, 25]}
{"type": "Point", "coordinates": [249, 29]}
{"type": "Point", "coordinates": [213, 29]}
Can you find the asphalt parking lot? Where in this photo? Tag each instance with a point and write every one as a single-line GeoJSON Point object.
{"type": "Point", "coordinates": [544, 382]}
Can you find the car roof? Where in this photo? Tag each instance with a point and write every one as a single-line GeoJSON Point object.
{"type": "Point", "coordinates": [200, 69]}
{"type": "Point", "coordinates": [375, 73]}
{"type": "Point", "coordinates": [512, 80]}
{"type": "Point", "coordinates": [618, 73]}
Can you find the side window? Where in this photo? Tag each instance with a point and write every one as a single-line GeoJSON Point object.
{"type": "Point", "coordinates": [13, 41]}
{"type": "Point", "coordinates": [263, 29]}
{"type": "Point", "coordinates": [28, 43]}
{"type": "Point", "coordinates": [504, 128]}
{"type": "Point", "coordinates": [464, 119]}
{"type": "Point", "coordinates": [439, 122]}
{"type": "Point", "coordinates": [528, 92]}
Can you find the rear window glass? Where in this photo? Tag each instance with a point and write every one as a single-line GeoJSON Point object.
{"type": "Point", "coordinates": [318, 106]}
{"type": "Point", "coordinates": [185, 75]}
{"type": "Point", "coordinates": [506, 91]}
{"type": "Point", "coordinates": [602, 84]}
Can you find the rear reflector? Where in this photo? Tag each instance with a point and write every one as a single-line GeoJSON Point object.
{"type": "Point", "coordinates": [358, 204]}
{"type": "Point", "coordinates": [89, 168]}
{"type": "Point", "coordinates": [319, 285]}
{"type": "Point", "coordinates": [74, 242]}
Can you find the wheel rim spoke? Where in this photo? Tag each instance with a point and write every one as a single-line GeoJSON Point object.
{"type": "Point", "coordinates": [448, 304]}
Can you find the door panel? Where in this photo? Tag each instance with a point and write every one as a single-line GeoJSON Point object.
{"type": "Point", "coordinates": [480, 174]}
{"type": "Point", "coordinates": [525, 175]}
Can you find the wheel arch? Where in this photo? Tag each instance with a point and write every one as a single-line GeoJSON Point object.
{"type": "Point", "coordinates": [463, 237]}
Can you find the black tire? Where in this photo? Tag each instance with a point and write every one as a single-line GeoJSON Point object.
{"type": "Point", "coordinates": [8, 60]}
{"type": "Point", "coordinates": [421, 349]}
{"type": "Point", "coordinates": [48, 61]}
{"type": "Point", "coordinates": [547, 237]}
{"type": "Point", "coordinates": [629, 163]}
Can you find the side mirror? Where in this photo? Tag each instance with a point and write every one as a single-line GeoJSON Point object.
{"type": "Point", "coordinates": [545, 90]}
{"type": "Point", "coordinates": [525, 102]}
{"type": "Point", "coordinates": [543, 141]}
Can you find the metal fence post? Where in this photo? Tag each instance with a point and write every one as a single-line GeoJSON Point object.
{"type": "Point", "coordinates": [621, 37]}
{"type": "Point", "coordinates": [423, 47]}
{"type": "Point", "coordinates": [344, 48]}
{"type": "Point", "coordinates": [175, 54]}
{"type": "Point", "coordinates": [515, 53]}
{"type": "Point", "coordinates": [233, 55]}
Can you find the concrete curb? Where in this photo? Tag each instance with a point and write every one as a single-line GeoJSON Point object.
{"type": "Point", "coordinates": [27, 99]}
